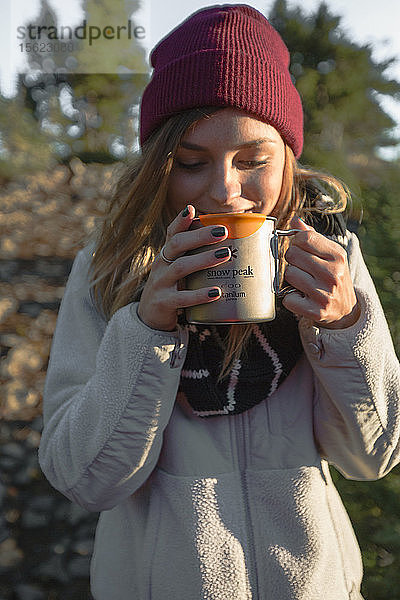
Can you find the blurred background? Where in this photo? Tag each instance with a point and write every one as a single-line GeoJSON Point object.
{"type": "Point", "coordinates": [68, 118]}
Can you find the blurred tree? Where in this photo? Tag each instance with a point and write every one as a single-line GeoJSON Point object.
{"type": "Point", "coordinates": [340, 84]}
{"type": "Point", "coordinates": [112, 77]}
{"type": "Point", "coordinates": [86, 93]}
{"type": "Point", "coordinates": [24, 148]}
{"type": "Point", "coordinates": [47, 57]}
{"type": "Point", "coordinates": [380, 236]}
{"type": "Point", "coordinates": [114, 48]}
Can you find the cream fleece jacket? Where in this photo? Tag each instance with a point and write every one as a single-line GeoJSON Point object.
{"type": "Point", "coordinates": [240, 507]}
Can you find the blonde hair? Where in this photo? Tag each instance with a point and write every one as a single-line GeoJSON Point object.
{"type": "Point", "coordinates": [134, 227]}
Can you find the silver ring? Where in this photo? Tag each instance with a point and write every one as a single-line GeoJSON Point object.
{"type": "Point", "coordinates": [165, 259]}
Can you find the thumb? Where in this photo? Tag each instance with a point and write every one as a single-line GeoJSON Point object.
{"type": "Point", "coordinates": [297, 223]}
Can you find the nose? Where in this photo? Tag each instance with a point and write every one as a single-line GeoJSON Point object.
{"type": "Point", "coordinates": [225, 185]}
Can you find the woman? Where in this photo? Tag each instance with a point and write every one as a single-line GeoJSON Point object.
{"type": "Point", "coordinates": [240, 504]}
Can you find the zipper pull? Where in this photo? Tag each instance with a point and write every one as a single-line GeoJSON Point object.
{"type": "Point", "coordinates": [181, 343]}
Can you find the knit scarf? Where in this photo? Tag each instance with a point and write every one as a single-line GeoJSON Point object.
{"type": "Point", "coordinates": [270, 354]}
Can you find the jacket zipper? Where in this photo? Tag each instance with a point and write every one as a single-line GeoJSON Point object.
{"type": "Point", "coordinates": [181, 343]}
{"type": "Point", "coordinates": [241, 432]}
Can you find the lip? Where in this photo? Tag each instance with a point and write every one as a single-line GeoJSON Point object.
{"type": "Point", "coordinates": [224, 212]}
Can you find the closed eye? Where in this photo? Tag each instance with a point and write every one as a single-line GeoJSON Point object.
{"type": "Point", "coordinates": [246, 164]}
{"type": "Point", "coordinates": [251, 164]}
{"type": "Point", "coordinates": [189, 166]}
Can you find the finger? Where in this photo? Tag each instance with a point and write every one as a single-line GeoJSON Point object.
{"type": "Point", "coordinates": [186, 298]}
{"type": "Point", "coordinates": [313, 242]}
{"type": "Point", "coordinates": [302, 306]}
{"type": "Point", "coordinates": [182, 221]}
{"type": "Point", "coordinates": [185, 241]}
{"type": "Point", "coordinates": [185, 265]}
{"type": "Point", "coordinates": [297, 223]}
{"type": "Point", "coordinates": [300, 279]}
{"type": "Point", "coordinates": [320, 296]}
{"type": "Point", "coordinates": [328, 275]}
{"type": "Point", "coordinates": [174, 299]}
{"type": "Point", "coordinates": [318, 268]}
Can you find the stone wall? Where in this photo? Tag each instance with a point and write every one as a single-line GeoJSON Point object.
{"type": "Point", "coordinates": [45, 541]}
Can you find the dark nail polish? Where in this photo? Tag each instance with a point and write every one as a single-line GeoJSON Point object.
{"type": "Point", "coordinates": [218, 231]}
{"type": "Point", "coordinates": [213, 293]}
{"type": "Point", "coordinates": [185, 212]}
{"type": "Point", "coordinates": [222, 253]}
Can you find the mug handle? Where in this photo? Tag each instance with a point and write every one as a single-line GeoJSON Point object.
{"type": "Point", "coordinates": [288, 289]}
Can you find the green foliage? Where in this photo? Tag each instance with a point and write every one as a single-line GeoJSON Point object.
{"type": "Point", "coordinates": [380, 236]}
{"type": "Point", "coordinates": [24, 148]}
{"type": "Point", "coordinates": [339, 83]}
{"type": "Point", "coordinates": [374, 511]}
{"type": "Point", "coordinates": [109, 55]}
{"type": "Point", "coordinates": [86, 98]}
{"type": "Point", "coordinates": [107, 97]}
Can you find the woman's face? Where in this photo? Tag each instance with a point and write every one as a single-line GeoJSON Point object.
{"type": "Point", "coordinates": [229, 162]}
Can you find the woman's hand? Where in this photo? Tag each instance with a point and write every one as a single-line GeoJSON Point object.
{"type": "Point", "coordinates": [318, 268]}
{"type": "Point", "coordinates": [161, 297]}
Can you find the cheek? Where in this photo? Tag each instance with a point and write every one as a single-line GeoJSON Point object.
{"type": "Point", "coordinates": [182, 190]}
{"type": "Point", "coordinates": [269, 188]}
{"type": "Point", "coordinates": [177, 193]}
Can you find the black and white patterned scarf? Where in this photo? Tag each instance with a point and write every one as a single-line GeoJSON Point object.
{"type": "Point", "coordinates": [270, 354]}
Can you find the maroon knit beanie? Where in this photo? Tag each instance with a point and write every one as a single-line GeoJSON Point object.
{"type": "Point", "coordinates": [226, 55]}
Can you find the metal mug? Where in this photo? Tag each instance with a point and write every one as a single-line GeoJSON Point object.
{"type": "Point", "coordinates": [249, 280]}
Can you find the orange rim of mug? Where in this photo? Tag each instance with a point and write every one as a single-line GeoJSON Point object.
{"type": "Point", "coordinates": [239, 225]}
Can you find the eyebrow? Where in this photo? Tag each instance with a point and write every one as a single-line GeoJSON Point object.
{"type": "Point", "coordinates": [259, 142]}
